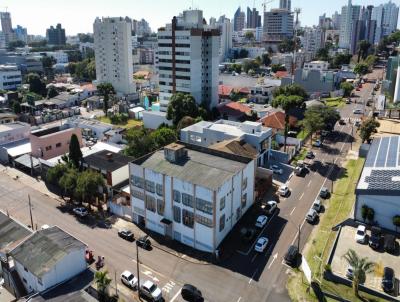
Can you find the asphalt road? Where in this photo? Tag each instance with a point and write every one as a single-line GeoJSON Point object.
{"type": "Point", "coordinates": [243, 277]}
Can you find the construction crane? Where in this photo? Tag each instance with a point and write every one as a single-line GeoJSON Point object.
{"type": "Point", "coordinates": [265, 4]}
{"type": "Point", "coordinates": [297, 11]}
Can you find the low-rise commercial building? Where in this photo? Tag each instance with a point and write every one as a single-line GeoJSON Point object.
{"type": "Point", "coordinates": [10, 77]}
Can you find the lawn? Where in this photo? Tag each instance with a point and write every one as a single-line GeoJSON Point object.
{"type": "Point", "coordinates": [334, 102]}
{"type": "Point", "coordinates": [130, 124]}
{"type": "Point", "coordinates": [337, 209]}
{"type": "Point", "coordinates": [302, 134]}
{"type": "Point", "coordinates": [301, 156]}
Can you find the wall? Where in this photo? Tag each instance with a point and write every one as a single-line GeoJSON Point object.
{"type": "Point", "coordinates": [154, 120]}
{"type": "Point", "coordinates": [14, 132]}
{"type": "Point", "coordinates": [120, 175]}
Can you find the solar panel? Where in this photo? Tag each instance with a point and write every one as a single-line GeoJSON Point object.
{"type": "Point", "coordinates": [372, 153]}
{"type": "Point", "coordinates": [391, 160]}
{"type": "Point", "coordinates": [381, 159]}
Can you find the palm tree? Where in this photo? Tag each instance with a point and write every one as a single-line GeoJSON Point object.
{"type": "Point", "coordinates": [361, 267]}
{"type": "Point", "coordinates": [102, 282]}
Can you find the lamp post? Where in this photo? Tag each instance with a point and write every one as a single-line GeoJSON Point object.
{"type": "Point", "coordinates": [137, 269]}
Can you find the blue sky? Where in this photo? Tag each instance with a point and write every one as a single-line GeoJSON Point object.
{"type": "Point", "coordinates": [78, 15]}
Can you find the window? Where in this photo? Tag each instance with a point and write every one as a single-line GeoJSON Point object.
{"type": "Point", "coordinates": [160, 206]}
{"type": "Point", "coordinates": [138, 182]}
{"type": "Point", "coordinates": [159, 190]}
{"type": "Point", "coordinates": [222, 223]}
{"type": "Point", "coordinates": [188, 200]}
{"type": "Point", "coordinates": [204, 221]}
{"type": "Point", "coordinates": [187, 218]}
{"type": "Point", "coordinates": [48, 148]}
{"type": "Point", "coordinates": [150, 203]}
{"type": "Point", "coordinates": [150, 187]}
{"type": "Point", "coordinates": [244, 184]}
{"type": "Point", "coordinates": [244, 199]}
{"type": "Point", "coordinates": [204, 206]}
{"type": "Point", "coordinates": [222, 203]}
{"type": "Point", "coordinates": [177, 214]}
{"type": "Point", "coordinates": [177, 196]}
{"type": "Point", "coordinates": [138, 194]}
{"type": "Point", "coordinates": [58, 145]}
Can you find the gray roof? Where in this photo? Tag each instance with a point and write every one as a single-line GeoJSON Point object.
{"type": "Point", "coordinates": [200, 168]}
{"type": "Point", "coordinates": [11, 232]}
{"type": "Point", "coordinates": [40, 252]}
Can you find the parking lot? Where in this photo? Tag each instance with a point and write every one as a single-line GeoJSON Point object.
{"type": "Point", "coordinates": [379, 257]}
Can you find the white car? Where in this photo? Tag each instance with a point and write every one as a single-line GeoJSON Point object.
{"type": "Point", "coordinates": [357, 111]}
{"type": "Point", "coordinates": [82, 212]}
{"type": "Point", "coordinates": [129, 279]}
{"type": "Point", "coordinates": [276, 169]}
{"type": "Point", "coordinates": [283, 190]}
{"type": "Point", "coordinates": [151, 291]}
{"type": "Point", "coordinates": [261, 244]}
{"type": "Point", "coordinates": [317, 205]}
{"type": "Point", "coordinates": [261, 221]}
{"type": "Point", "coordinates": [361, 234]}
{"type": "Point", "coordinates": [270, 207]}
{"type": "Point", "coordinates": [317, 143]}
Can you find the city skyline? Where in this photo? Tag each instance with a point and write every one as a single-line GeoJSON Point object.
{"type": "Point", "coordinates": [87, 12]}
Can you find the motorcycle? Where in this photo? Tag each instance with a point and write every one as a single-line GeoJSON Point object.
{"type": "Point", "coordinates": [100, 262]}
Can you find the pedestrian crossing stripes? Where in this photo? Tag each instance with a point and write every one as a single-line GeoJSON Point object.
{"type": "Point", "coordinates": [169, 286]}
{"type": "Point", "coordinates": [352, 120]}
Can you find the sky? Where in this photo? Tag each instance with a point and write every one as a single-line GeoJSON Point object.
{"type": "Point", "coordinates": [77, 16]}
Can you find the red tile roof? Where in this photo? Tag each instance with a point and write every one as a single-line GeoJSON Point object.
{"type": "Point", "coordinates": [89, 87]}
{"type": "Point", "coordinates": [234, 109]}
{"type": "Point", "coordinates": [224, 90]}
{"type": "Point", "coordinates": [276, 121]}
{"type": "Point", "coordinates": [244, 90]}
{"type": "Point", "coordinates": [281, 74]}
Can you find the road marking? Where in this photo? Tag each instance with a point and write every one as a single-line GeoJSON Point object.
{"type": "Point", "coordinates": [169, 286]}
{"type": "Point", "coordinates": [273, 259]}
{"type": "Point", "coordinates": [252, 260]}
{"type": "Point", "coordinates": [238, 300]}
{"type": "Point", "coordinates": [301, 196]}
{"type": "Point", "coordinates": [176, 295]}
{"type": "Point", "coordinates": [309, 183]}
{"type": "Point", "coordinates": [292, 211]}
{"type": "Point", "coordinates": [255, 272]}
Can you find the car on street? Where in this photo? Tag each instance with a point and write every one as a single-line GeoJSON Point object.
{"type": "Point", "coordinates": [357, 89]}
{"type": "Point", "coordinates": [291, 255]}
{"type": "Point", "coordinates": [389, 243]}
{"type": "Point", "coordinates": [348, 101]}
{"type": "Point", "coordinates": [310, 155]}
{"type": "Point", "coordinates": [357, 111]}
{"type": "Point", "coordinates": [317, 143]}
{"type": "Point", "coordinates": [126, 234]}
{"type": "Point", "coordinates": [144, 242]}
{"type": "Point", "coordinates": [150, 291]}
{"type": "Point", "coordinates": [317, 205]}
{"type": "Point", "coordinates": [261, 244]}
{"type": "Point", "coordinates": [300, 170]}
{"type": "Point", "coordinates": [349, 272]}
{"type": "Point", "coordinates": [357, 124]}
{"type": "Point", "coordinates": [375, 238]}
{"type": "Point", "coordinates": [191, 293]}
{"type": "Point", "coordinates": [270, 207]}
{"type": "Point", "coordinates": [81, 211]}
{"type": "Point", "coordinates": [342, 122]}
{"type": "Point", "coordinates": [324, 193]}
{"type": "Point", "coordinates": [283, 190]}
{"type": "Point", "coordinates": [361, 234]}
{"type": "Point", "coordinates": [261, 221]}
{"type": "Point", "coordinates": [129, 279]}
{"type": "Point", "coordinates": [388, 280]}
{"type": "Point", "coordinates": [276, 169]}
{"type": "Point", "coordinates": [311, 216]}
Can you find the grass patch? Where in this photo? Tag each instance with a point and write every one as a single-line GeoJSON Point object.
{"type": "Point", "coordinates": [301, 156]}
{"type": "Point", "coordinates": [302, 134]}
{"type": "Point", "coordinates": [334, 102]}
{"type": "Point", "coordinates": [338, 208]}
{"type": "Point", "coordinates": [130, 124]}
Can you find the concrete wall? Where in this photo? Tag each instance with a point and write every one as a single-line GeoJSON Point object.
{"type": "Point", "coordinates": [154, 120]}
{"type": "Point", "coordinates": [120, 175]}
{"type": "Point", "coordinates": [10, 134]}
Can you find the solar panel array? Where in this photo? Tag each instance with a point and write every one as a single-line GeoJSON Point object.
{"type": "Point", "coordinates": [384, 153]}
{"type": "Point", "coordinates": [381, 156]}
{"type": "Point", "coordinates": [392, 155]}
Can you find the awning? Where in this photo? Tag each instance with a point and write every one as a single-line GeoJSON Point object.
{"type": "Point", "coordinates": [166, 221]}
{"type": "Point", "coordinates": [26, 161]}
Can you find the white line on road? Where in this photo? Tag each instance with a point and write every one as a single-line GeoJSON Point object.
{"type": "Point", "coordinates": [273, 259]}
{"type": "Point", "coordinates": [254, 258]}
{"type": "Point", "coordinates": [176, 295]}
{"type": "Point", "coordinates": [301, 196]}
{"type": "Point", "coordinates": [309, 183]}
{"type": "Point", "coordinates": [292, 211]}
{"type": "Point", "coordinates": [255, 272]}
{"type": "Point", "coordinates": [238, 300]}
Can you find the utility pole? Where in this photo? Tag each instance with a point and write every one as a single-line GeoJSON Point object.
{"type": "Point", "coordinates": [116, 285]}
{"type": "Point", "coordinates": [137, 269]}
{"type": "Point", "coordinates": [30, 210]}
{"type": "Point", "coordinates": [333, 163]}
{"type": "Point", "coordinates": [298, 239]}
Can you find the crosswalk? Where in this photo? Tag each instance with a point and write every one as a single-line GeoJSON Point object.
{"type": "Point", "coordinates": [352, 119]}
{"type": "Point", "coordinates": [169, 286]}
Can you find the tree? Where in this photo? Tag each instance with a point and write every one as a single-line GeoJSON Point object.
{"type": "Point", "coordinates": [75, 153]}
{"type": "Point", "coordinates": [347, 88]}
{"type": "Point", "coordinates": [14, 44]}
{"type": "Point", "coordinates": [74, 56]}
{"type": "Point", "coordinates": [371, 60]}
{"type": "Point", "coordinates": [265, 59]}
{"type": "Point", "coordinates": [288, 90]}
{"type": "Point", "coordinates": [277, 67]}
{"type": "Point", "coordinates": [361, 267]}
{"type": "Point", "coordinates": [181, 105]}
{"type": "Point", "coordinates": [16, 107]}
{"type": "Point", "coordinates": [287, 45]}
{"type": "Point", "coordinates": [249, 36]}
{"type": "Point", "coordinates": [48, 62]}
{"type": "Point", "coordinates": [139, 142]}
{"type": "Point", "coordinates": [313, 120]}
{"type": "Point", "coordinates": [361, 69]}
{"type": "Point", "coordinates": [88, 184]}
{"type": "Point", "coordinates": [102, 283]}
{"type": "Point", "coordinates": [368, 127]}
{"type": "Point", "coordinates": [340, 59]}
{"type": "Point", "coordinates": [68, 181]}
{"type": "Point", "coordinates": [250, 64]}
{"type": "Point", "coordinates": [84, 38]}
{"type": "Point", "coordinates": [55, 173]}
{"type": "Point", "coordinates": [84, 70]}
{"type": "Point", "coordinates": [330, 117]}
{"type": "Point", "coordinates": [363, 48]}
{"type": "Point", "coordinates": [35, 84]}
{"type": "Point", "coordinates": [364, 212]}
{"type": "Point", "coordinates": [105, 89]}
{"type": "Point", "coordinates": [396, 221]}
{"type": "Point", "coordinates": [186, 121]}
{"type": "Point", "coordinates": [52, 92]}
{"type": "Point", "coordinates": [370, 214]}
{"type": "Point", "coordinates": [323, 54]}
{"type": "Point", "coordinates": [163, 137]}
{"type": "Point", "coordinates": [243, 53]}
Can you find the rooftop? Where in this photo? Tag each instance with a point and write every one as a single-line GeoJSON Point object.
{"type": "Point", "coordinates": [381, 172]}
{"type": "Point", "coordinates": [107, 160]}
{"type": "Point", "coordinates": [41, 251]}
{"type": "Point", "coordinates": [11, 232]}
{"type": "Point", "coordinates": [12, 126]}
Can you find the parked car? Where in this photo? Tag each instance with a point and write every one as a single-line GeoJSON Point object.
{"type": "Point", "coordinates": [350, 272]}
{"type": "Point", "coordinates": [300, 171]}
{"type": "Point", "coordinates": [310, 155]}
{"type": "Point", "coordinates": [389, 243]}
{"type": "Point", "coordinates": [375, 238]}
{"type": "Point", "coordinates": [126, 234]}
{"type": "Point", "coordinates": [292, 133]}
{"type": "Point", "coordinates": [191, 293]}
{"type": "Point", "coordinates": [361, 234]}
{"type": "Point", "coordinates": [357, 111]}
{"type": "Point", "coordinates": [348, 101]}
{"type": "Point", "coordinates": [129, 279]}
{"type": "Point", "coordinates": [324, 193]}
{"type": "Point", "coordinates": [261, 221]}
{"type": "Point", "coordinates": [283, 190]}
{"type": "Point", "coordinates": [357, 124]}
{"type": "Point", "coordinates": [388, 280]}
{"type": "Point", "coordinates": [247, 234]}
{"type": "Point", "coordinates": [342, 122]}
{"type": "Point", "coordinates": [269, 207]}
{"type": "Point", "coordinates": [144, 242]}
{"type": "Point", "coordinates": [81, 212]}
{"type": "Point", "coordinates": [150, 291]}
{"type": "Point", "coordinates": [317, 205]}
{"type": "Point", "coordinates": [276, 169]}
{"type": "Point", "coordinates": [317, 143]}
{"type": "Point", "coordinates": [291, 255]}
{"type": "Point", "coordinates": [324, 133]}
{"type": "Point", "coordinates": [311, 216]}
{"type": "Point", "coordinates": [261, 244]}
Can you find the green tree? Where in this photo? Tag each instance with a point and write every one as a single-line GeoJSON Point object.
{"type": "Point", "coordinates": [181, 105]}
{"type": "Point", "coordinates": [102, 283]}
{"type": "Point", "coordinates": [186, 121]}
{"type": "Point", "coordinates": [105, 89]}
{"type": "Point", "coordinates": [370, 214]}
{"type": "Point", "coordinates": [243, 53]}
{"type": "Point", "coordinates": [35, 84]}
{"type": "Point", "coordinates": [364, 212]}
{"type": "Point", "coordinates": [48, 62]}
{"type": "Point", "coordinates": [371, 60]}
{"type": "Point", "coordinates": [139, 142]}
{"type": "Point", "coordinates": [52, 92]}
{"type": "Point", "coordinates": [361, 267]}
{"type": "Point", "coordinates": [14, 44]}
{"type": "Point", "coordinates": [347, 88]}
{"type": "Point", "coordinates": [74, 56]}
{"type": "Point", "coordinates": [396, 221]}
{"type": "Point", "coordinates": [163, 137]}
{"type": "Point", "coordinates": [323, 54]}
{"type": "Point", "coordinates": [75, 153]}
{"type": "Point", "coordinates": [288, 90]}
{"type": "Point", "coordinates": [277, 67]}
{"type": "Point", "coordinates": [84, 70]}
{"type": "Point", "coordinates": [287, 45]}
{"type": "Point", "coordinates": [55, 173]}
{"type": "Point", "coordinates": [313, 120]}
{"type": "Point", "coordinates": [68, 181]}
{"type": "Point", "coordinates": [84, 38]}
{"type": "Point", "coordinates": [250, 64]}
{"type": "Point", "coordinates": [330, 117]}
{"type": "Point", "coordinates": [249, 36]}
{"type": "Point", "coordinates": [361, 69]}
{"type": "Point", "coordinates": [265, 59]}
{"type": "Point", "coordinates": [368, 127]}
{"type": "Point", "coordinates": [363, 48]}
{"type": "Point", "coordinates": [88, 184]}
{"type": "Point", "coordinates": [340, 59]}
{"type": "Point", "coordinates": [16, 107]}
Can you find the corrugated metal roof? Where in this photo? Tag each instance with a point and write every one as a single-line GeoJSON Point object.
{"type": "Point", "coordinates": [11, 232]}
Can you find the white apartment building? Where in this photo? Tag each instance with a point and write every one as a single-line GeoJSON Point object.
{"type": "Point", "coordinates": [113, 53]}
{"type": "Point", "coordinates": [10, 77]}
{"type": "Point", "coordinates": [226, 40]}
{"type": "Point", "coordinates": [316, 65]}
{"type": "Point", "coordinates": [313, 39]}
{"type": "Point", "coordinates": [188, 58]}
{"type": "Point", "coordinates": [60, 56]}
{"type": "Point", "coordinates": [278, 25]}
{"type": "Point", "coordinates": [350, 13]}
{"type": "Point", "coordinates": [191, 194]}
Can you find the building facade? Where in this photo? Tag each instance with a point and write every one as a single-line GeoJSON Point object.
{"type": "Point", "coordinates": [386, 17]}
{"type": "Point", "coordinates": [253, 18]}
{"type": "Point", "coordinates": [113, 52]}
{"type": "Point", "coordinates": [285, 4]}
{"type": "Point", "coordinates": [56, 35]}
{"type": "Point", "coordinates": [6, 27]}
{"type": "Point", "coordinates": [21, 33]}
{"type": "Point", "coordinates": [349, 15]}
{"type": "Point", "coordinates": [239, 20]}
{"type": "Point", "coordinates": [10, 77]}
{"type": "Point", "coordinates": [226, 41]}
{"type": "Point", "coordinates": [313, 40]}
{"type": "Point", "coordinates": [278, 25]}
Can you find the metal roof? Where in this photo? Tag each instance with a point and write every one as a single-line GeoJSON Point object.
{"type": "Point", "coordinates": [11, 232]}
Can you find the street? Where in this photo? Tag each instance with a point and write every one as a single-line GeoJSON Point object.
{"type": "Point", "coordinates": [245, 276]}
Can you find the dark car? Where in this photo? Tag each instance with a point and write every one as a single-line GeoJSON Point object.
{"type": "Point", "coordinates": [375, 238]}
{"type": "Point", "coordinates": [144, 242]}
{"type": "Point", "coordinates": [342, 122]}
{"type": "Point", "coordinates": [126, 234]}
{"type": "Point", "coordinates": [388, 280]}
{"type": "Point", "coordinates": [390, 243]}
{"type": "Point", "coordinates": [191, 293]}
{"type": "Point", "coordinates": [291, 255]}
{"type": "Point", "coordinates": [310, 155]}
{"type": "Point", "coordinates": [324, 193]}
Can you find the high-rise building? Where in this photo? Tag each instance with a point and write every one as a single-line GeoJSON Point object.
{"type": "Point", "coordinates": [239, 20]}
{"type": "Point", "coordinates": [2, 40]}
{"type": "Point", "coordinates": [113, 53]}
{"type": "Point", "coordinates": [313, 40]}
{"type": "Point", "coordinates": [386, 16]}
{"type": "Point", "coordinates": [278, 25]}
{"type": "Point", "coordinates": [253, 18]}
{"type": "Point", "coordinates": [225, 27]}
{"type": "Point", "coordinates": [336, 17]}
{"type": "Point", "coordinates": [188, 59]}
{"type": "Point", "coordinates": [350, 14]}
{"type": "Point", "coordinates": [6, 26]}
{"type": "Point", "coordinates": [21, 33]}
{"type": "Point", "coordinates": [142, 28]}
{"type": "Point", "coordinates": [56, 35]}
{"type": "Point", "coordinates": [285, 4]}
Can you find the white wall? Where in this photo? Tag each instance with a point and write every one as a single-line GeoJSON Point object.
{"type": "Point", "coordinates": [120, 175]}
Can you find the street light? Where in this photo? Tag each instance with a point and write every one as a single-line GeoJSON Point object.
{"type": "Point", "coordinates": [137, 269]}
